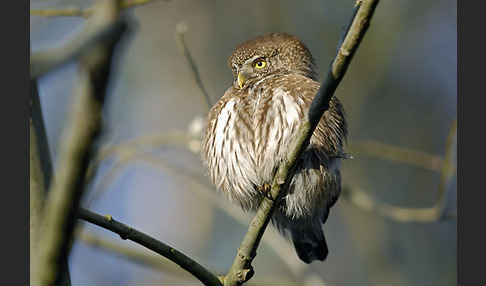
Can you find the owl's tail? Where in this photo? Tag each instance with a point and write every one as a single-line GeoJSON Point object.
{"type": "Point", "coordinates": [310, 244]}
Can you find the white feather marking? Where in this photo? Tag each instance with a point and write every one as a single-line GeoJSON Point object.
{"type": "Point", "coordinates": [221, 123]}
{"type": "Point", "coordinates": [291, 107]}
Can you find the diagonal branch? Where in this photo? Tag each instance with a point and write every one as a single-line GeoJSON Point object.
{"type": "Point", "coordinates": [126, 232]}
{"type": "Point", "coordinates": [241, 270]}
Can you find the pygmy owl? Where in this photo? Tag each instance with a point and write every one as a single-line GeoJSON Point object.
{"type": "Point", "coordinates": [249, 131]}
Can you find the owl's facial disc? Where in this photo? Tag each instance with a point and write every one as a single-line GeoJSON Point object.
{"type": "Point", "coordinates": [250, 69]}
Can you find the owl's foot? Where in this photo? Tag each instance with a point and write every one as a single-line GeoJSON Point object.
{"type": "Point", "coordinates": [265, 189]}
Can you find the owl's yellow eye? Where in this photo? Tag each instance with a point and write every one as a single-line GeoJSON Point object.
{"type": "Point", "coordinates": [260, 63]}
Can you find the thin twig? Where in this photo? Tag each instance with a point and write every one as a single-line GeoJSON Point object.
{"type": "Point", "coordinates": [85, 13]}
{"type": "Point", "coordinates": [181, 30]}
{"type": "Point", "coordinates": [127, 232]}
{"type": "Point", "coordinates": [363, 201]}
{"type": "Point", "coordinates": [241, 269]}
{"type": "Point", "coordinates": [82, 129]}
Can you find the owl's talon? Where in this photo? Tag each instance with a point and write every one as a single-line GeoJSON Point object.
{"type": "Point", "coordinates": [265, 189]}
{"type": "Point", "coordinates": [269, 196]}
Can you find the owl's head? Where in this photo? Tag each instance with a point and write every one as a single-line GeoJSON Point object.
{"type": "Point", "coordinates": [275, 53]}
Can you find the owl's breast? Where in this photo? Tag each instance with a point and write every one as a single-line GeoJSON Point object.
{"type": "Point", "coordinates": [277, 115]}
{"type": "Point", "coordinates": [229, 151]}
{"type": "Point", "coordinates": [248, 138]}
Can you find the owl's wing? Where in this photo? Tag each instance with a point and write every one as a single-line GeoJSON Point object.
{"type": "Point", "coordinates": [331, 131]}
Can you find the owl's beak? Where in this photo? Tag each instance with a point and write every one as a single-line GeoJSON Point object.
{"type": "Point", "coordinates": [241, 79]}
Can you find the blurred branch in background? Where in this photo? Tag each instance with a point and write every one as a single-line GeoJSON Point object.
{"type": "Point", "coordinates": [85, 13]}
{"type": "Point", "coordinates": [59, 212]}
{"type": "Point", "coordinates": [40, 180]}
{"type": "Point", "coordinates": [37, 193]}
{"type": "Point", "coordinates": [181, 29]}
{"type": "Point", "coordinates": [82, 130]}
{"type": "Point", "coordinates": [42, 62]}
{"type": "Point", "coordinates": [396, 154]}
{"type": "Point", "coordinates": [362, 200]}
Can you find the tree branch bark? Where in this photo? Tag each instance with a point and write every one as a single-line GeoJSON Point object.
{"type": "Point", "coordinates": [241, 270]}
{"type": "Point", "coordinates": [126, 232]}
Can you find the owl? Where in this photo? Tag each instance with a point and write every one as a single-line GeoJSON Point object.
{"type": "Point", "coordinates": [249, 131]}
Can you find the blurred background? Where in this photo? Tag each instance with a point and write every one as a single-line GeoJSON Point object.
{"type": "Point", "coordinates": [400, 91]}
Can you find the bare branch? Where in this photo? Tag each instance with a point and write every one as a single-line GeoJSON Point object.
{"type": "Point", "coordinates": [363, 201]}
{"type": "Point", "coordinates": [85, 13]}
{"type": "Point", "coordinates": [82, 129]}
{"type": "Point", "coordinates": [181, 30]}
{"type": "Point", "coordinates": [241, 270]}
{"type": "Point", "coordinates": [127, 232]}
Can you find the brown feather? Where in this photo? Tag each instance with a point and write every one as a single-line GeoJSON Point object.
{"type": "Point", "coordinates": [249, 131]}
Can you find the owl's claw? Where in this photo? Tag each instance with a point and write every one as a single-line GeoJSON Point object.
{"type": "Point", "coordinates": [265, 189]}
{"type": "Point", "coordinates": [269, 196]}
